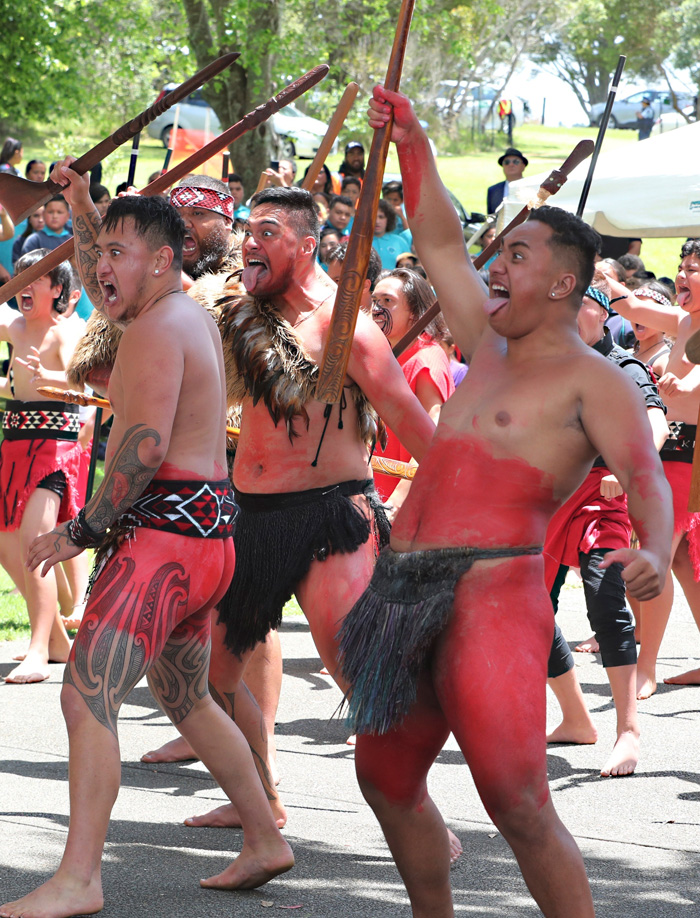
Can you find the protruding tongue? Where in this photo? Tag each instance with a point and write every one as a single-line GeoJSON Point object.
{"type": "Point", "coordinates": [251, 275]}
{"type": "Point", "coordinates": [683, 298]}
{"type": "Point", "coordinates": [493, 304]}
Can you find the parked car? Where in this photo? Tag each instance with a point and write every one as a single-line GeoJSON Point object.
{"type": "Point", "coordinates": [299, 134]}
{"type": "Point", "coordinates": [624, 111]}
{"type": "Point", "coordinates": [476, 102]}
{"type": "Point", "coordinates": [672, 120]}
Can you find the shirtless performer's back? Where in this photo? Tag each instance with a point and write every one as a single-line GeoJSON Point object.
{"type": "Point", "coordinates": [512, 443]}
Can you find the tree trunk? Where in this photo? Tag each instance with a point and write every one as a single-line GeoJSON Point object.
{"type": "Point", "coordinates": [243, 86]}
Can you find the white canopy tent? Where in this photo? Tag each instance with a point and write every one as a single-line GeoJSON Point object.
{"type": "Point", "coordinates": [646, 189]}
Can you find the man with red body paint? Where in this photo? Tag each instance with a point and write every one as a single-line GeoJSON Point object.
{"type": "Point", "coordinates": [150, 608]}
{"type": "Point", "coordinates": [512, 443]}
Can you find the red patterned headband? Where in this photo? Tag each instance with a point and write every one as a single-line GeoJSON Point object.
{"type": "Point", "coordinates": [206, 198]}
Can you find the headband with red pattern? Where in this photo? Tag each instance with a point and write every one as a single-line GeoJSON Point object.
{"type": "Point", "coordinates": [206, 198]}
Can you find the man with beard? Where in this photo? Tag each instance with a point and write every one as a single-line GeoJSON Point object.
{"type": "Point", "coordinates": [354, 162]}
{"type": "Point", "coordinates": [206, 205]}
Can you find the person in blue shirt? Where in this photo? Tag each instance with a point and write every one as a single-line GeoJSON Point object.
{"type": "Point", "coordinates": [56, 216]}
{"type": "Point", "coordinates": [388, 243]}
{"type": "Point", "coordinates": [340, 214]}
{"type": "Point", "coordinates": [235, 186]}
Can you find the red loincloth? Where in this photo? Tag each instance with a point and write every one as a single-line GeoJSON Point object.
{"type": "Point", "coordinates": [679, 475]}
{"type": "Point", "coordinates": [24, 463]}
{"type": "Point", "coordinates": [584, 522]}
{"type": "Point", "coordinates": [423, 357]}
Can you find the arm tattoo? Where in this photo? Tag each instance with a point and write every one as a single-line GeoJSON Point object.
{"type": "Point", "coordinates": [86, 228]}
{"type": "Point", "coordinates": [126, 479]}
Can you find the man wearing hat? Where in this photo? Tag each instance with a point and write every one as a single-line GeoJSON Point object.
{"type": "Point", "coordinates": [354, 162]}
{"type": "Point", "coordinates": [513, 163]}
{"type": "Point", "coordinates": [645, 119]}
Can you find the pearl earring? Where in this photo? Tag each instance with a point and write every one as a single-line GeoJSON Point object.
{"type": "Point", "coordinates": [156, 271]}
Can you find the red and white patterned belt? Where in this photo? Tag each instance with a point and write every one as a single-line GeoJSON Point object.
{"type": "Point", "coordinates": [40, 421]}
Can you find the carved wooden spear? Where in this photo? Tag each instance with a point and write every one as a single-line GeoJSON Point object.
{"type": "Point", "coordinates": [163, 182]}
{"type": "Point", "coordinates": [334, 128]}
{"type": "Point", "coordinates": [336, 353]}
{"type": "Point", "coordinates": [20, 197]}
{"type": "Point", "coordinates": [387, 466]}
{"type": "Point", "coordinates": [550, 186]}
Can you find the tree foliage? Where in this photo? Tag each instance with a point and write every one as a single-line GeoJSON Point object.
{"type": "Point", "coordinates": [584, 45]}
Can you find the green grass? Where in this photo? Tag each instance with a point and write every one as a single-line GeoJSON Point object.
{"type": "Point", "coordinates": [14, 624]}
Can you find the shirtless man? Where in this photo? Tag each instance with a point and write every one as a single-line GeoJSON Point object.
{"type": "Point", "coordinates": [301, 471]}
{"type": "Point", "coordinates": [513, 442]}
{"type": "Point", "coordinates": [40, 457]}
{"type": "Point", "coordinates": [150, 607]}
{"type": "Point", "coordinates": [680, 390]}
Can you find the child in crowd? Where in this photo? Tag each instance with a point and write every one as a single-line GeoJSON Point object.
{"type": "Point", "coordinates": [35, 222]}
{"type": "Point", "coordinates": [100, 197]}
{"type": "Point", "coordinates": [55, 231]}
{"type": "Point", "coordinates": [40, 456]}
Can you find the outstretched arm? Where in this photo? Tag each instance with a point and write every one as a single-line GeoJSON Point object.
{"type": "Point", "coordinates": [436, 229]}
{"type": "Point", "coordinates": [86, 225]}
{"type": "Point", "coordinates": [644, 312]}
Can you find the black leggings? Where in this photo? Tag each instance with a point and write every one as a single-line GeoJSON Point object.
{"type": "Point", "coordinates": [610, 618]}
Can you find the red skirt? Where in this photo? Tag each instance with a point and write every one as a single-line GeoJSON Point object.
{"type": "Point", "coordinates": [23, 465]}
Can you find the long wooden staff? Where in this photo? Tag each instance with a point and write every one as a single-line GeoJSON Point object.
{"type": "Point", "coordinates": [392, 467]}
{"type": "Point", "coordinates": [336, 353]}
{"type": "Point", "coordinates": [247, 123]}
{"type": "Point", "coordinates": [72, 397]}
{"type": "Point", "coordinates": [602, 128]}
{"type": "Point", "coordinates": [334, 128]}
{"type": "Point", "coordinates": [22, 197]}
{"type": "Point", "coordinates": [388, 466]}
{"type": "Point", "coordinates": [550, 186]}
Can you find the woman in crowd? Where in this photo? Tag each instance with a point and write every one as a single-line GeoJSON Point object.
{"type": "Point", "coordinates": [400, 298]}
{"type": "Point", "coordinates": [11, 156]}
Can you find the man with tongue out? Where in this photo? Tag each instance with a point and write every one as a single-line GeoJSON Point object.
{"type": "Point", "coordinates": [464, 575]}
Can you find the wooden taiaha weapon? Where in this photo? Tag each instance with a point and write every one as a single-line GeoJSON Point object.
{"type": "Point", "coordinates": [163, 182]}
{"type": "Point", "coordinates": [336, 352]}
{"type": "Point", "coordinates": [334, 127]}
{"type": "Point", "coordinates": [550, 186]}
{"type": "Point", "coordinates": [392, 467]}
{"type": "Point", "coordinates": [21, 197]}
{"type": "Point", "coordinates": [602, 128]}
{"type": "Point", "coordinates": [225, 167]}
{"type": "Point", "coordinates": [387, 466]}
{"type": "Point", "coordinates": [72, 397]}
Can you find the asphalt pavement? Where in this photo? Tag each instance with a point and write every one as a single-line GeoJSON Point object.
{"type": "Point", "coordinates": [639, 835]}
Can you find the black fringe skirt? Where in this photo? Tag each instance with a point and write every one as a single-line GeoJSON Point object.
{"type": "Point", "coordinates": [389, 632]}
{"type": "Point", "coordinates": [277, 537]}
